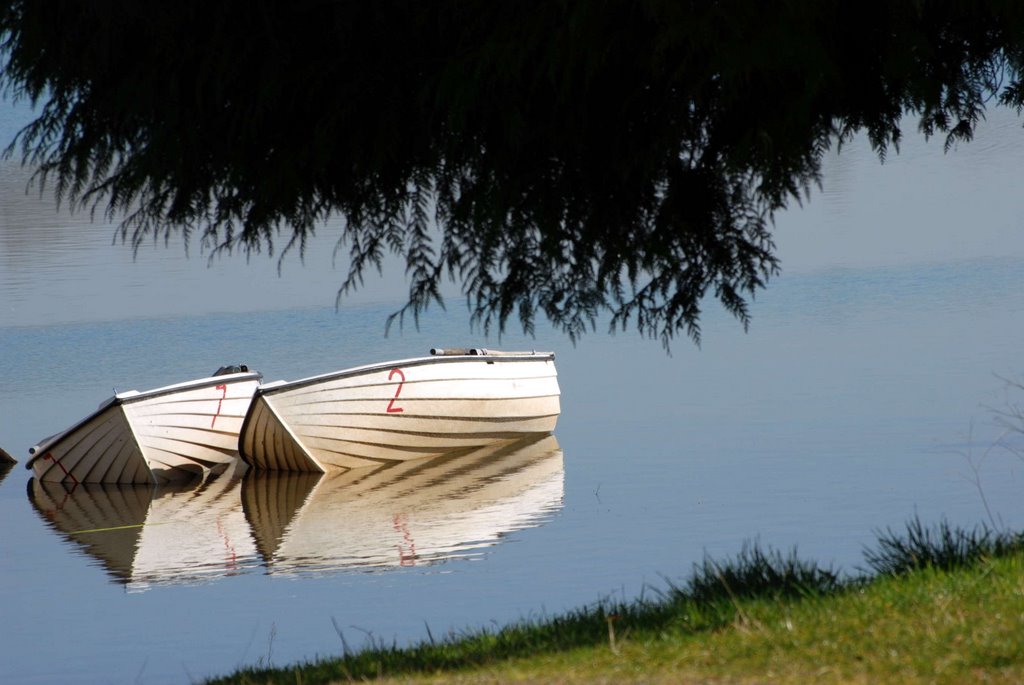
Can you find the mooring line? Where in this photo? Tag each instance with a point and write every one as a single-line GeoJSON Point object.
{"type": "Point", "coordinates": [112, 528]}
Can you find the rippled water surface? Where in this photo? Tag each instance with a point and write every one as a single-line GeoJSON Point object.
{"type": "Point", "coordinates": [866, 392]}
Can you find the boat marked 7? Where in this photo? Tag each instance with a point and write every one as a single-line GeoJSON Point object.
{"type": "Point", "coordinates": [223, 393]}
{"type": "Point", "coordinates": [392, 409]}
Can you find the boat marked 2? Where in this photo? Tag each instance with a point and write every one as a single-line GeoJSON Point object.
{"type": "Point", "coordinates": [406, 548]}
{"type": "Point", "coordinates": [392, 409]}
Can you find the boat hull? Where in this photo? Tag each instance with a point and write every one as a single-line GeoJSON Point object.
{"type": "Point", "coordinates": [163, 435]}
{"type": "Point", "coordinates": [398, 411]}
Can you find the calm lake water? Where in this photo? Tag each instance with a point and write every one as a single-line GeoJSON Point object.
{"type": "Point", "coordinates": [865, 393]}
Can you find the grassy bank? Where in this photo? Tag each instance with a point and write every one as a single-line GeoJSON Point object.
{"type": "Point", "coordinates": [937, 605]}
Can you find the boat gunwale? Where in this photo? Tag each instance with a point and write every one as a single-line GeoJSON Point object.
{"type": "Point", "coordinates": [120, 399]}
{"type": "Point", "coordinates": [282, 386]}
{"type": "Point", "coordinates": [130, 396]}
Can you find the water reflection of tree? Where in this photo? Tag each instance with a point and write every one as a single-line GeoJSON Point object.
{"type": "Point", "coordinates": [1010, 418]}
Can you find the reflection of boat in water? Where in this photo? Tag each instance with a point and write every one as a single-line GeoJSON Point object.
{"type": "Point", "coordinates": [402, 513]}
{"type": "Point", "coordinates": [176, 432]}
{"type": "Point", "coordinates": [146, 536]}
{"type": "Point", "coordinates": [400, 410]}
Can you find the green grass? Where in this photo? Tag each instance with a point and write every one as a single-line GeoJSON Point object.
{"type": "Point", "coordinates": [940, 605]}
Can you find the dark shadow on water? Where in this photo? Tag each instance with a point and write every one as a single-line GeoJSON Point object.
{"type": "Point", "coordinates": [5, 467]}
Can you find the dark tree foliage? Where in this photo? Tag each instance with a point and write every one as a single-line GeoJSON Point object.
{"type": "Point", "coordinates": [554, 158]}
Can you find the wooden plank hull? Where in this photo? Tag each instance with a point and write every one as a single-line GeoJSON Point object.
{"type": "Point", "coordinates": [168, 434]}
{"type": "Point", "coordinates": [398, 411]}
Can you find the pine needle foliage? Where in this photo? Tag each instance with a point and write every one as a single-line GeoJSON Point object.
{"type": "Point", "coordinates": [574, 161]}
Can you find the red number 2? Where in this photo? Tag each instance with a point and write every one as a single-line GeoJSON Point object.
{"type": "Point", "coordinates": [223, 394]}
{"type": "Point", "coordinates": [392, 409]}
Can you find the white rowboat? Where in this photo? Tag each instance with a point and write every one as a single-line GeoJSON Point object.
{"type": "Point", "coordinates": [400, 410]}
{"type": "Point", "coordinates": [172, 433]}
